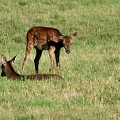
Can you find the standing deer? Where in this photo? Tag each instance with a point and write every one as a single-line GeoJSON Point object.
{"type": "Point", "coordinates": [8, 70]}
{"type": "Point", "coordinates": [46, 38]}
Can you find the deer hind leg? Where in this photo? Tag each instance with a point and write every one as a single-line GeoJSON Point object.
{"type": "Point", "coordinates": [57, 56]}
{"type": "Point", "coordinates": [51, 55]}
{"type": "Point", "coordinates": [37, 58]}
{"type": "Point", "coordinates": [29, 47]}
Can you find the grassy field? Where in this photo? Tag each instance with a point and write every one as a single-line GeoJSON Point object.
{"type": "Point", "coordinates": [91, 86]}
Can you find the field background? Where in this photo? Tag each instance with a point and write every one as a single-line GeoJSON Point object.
{"type": "Point", "coordinates": [91, 86]}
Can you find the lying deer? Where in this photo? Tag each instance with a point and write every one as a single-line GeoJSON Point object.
{"type": "Point", "coordinates": [8, 70]}
{"type": "Point", "coordinates": [46, 38]}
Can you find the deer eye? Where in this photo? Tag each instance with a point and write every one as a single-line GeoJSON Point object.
{"type": "Point", "coordinates": [3, 65]}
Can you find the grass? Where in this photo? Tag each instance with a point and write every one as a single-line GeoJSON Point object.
{"type": "Point", "coordinates": [90, 89]}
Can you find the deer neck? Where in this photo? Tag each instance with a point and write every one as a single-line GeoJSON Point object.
{"type": "Point", "coordinates": [11, 74]}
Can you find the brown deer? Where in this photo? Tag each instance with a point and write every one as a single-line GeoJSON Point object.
{"type": "Point", "coordinates": [8, 70]}
{"type": "Point", "coordinates": [46, 38]}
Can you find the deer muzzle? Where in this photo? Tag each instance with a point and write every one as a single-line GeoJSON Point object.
{"type": "Point", "coordinates": [67, 51]}
{"type": "Point", "coordinates": [3, 74]}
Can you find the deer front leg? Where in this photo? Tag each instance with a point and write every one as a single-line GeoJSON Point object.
{"type": "Point", "coordinates": [57, 56]}
{"type": "Point", "coordinates": [51, 55]}
{"type": "Point", "coordinates": [37, 58]}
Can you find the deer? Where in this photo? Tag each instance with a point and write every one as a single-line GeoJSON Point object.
{"type": "Point", "coordinates": [46, 38]}
{"type": "Point", "coordinates": [8, 70]}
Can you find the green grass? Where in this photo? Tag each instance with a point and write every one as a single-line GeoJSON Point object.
{"type": "Point", "coordinates": [91, 85]}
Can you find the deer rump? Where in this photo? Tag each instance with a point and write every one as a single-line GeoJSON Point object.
{"type": "Point", "coordinates": [46, 38]}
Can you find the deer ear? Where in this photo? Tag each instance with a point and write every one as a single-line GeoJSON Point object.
{"type": "Point", "coordinates": [73, 35]}
{"type": "Point", "coordinates": [13, 59]}
{"type": "Point", "coordinates": [61, 37]}
{"type": "Point", "coordinates": [3, 59]}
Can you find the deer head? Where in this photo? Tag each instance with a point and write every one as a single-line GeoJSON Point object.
{"type": "Point", "coordinates": [67, 41]}
{"type": "Point", "coordinates": [6, 66]}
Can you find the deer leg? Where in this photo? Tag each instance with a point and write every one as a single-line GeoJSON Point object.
{"type": "Point", "coordinates": [51, 55]}
{"type": "Point", "coordinates": [37, 58]}
{"type": "Point", "coordinates": [29, 47]}
{"type": "Point", "coordinates": [25, 60]}
{"type": "Point", "coordinates": [57, 56]}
